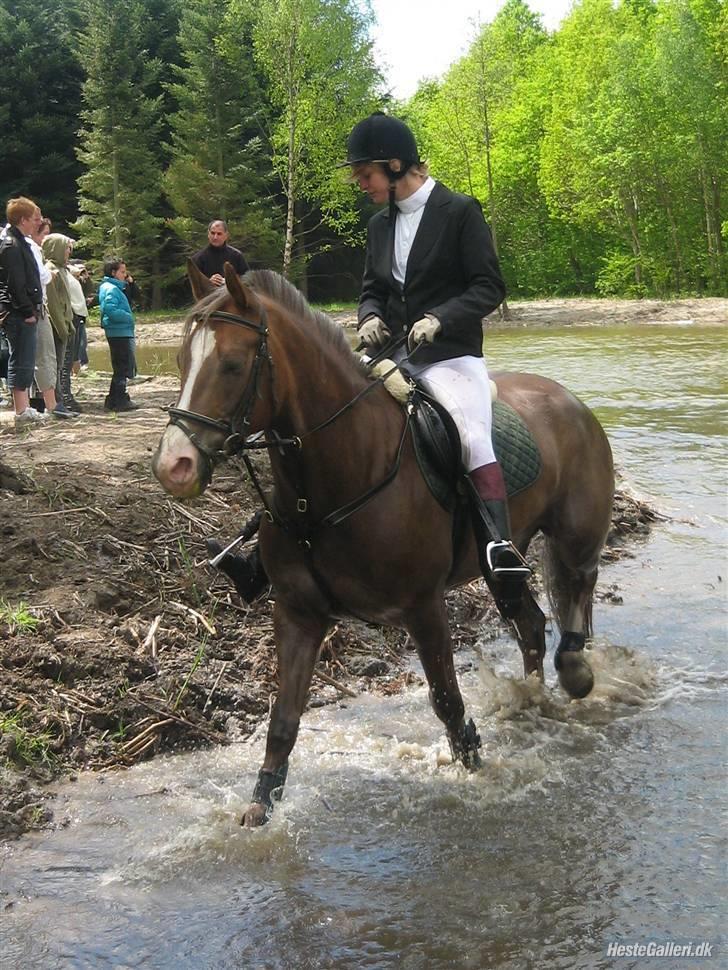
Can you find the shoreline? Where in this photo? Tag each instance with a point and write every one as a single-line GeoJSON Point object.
{"type": "Point", "coordinates": [551, 312]}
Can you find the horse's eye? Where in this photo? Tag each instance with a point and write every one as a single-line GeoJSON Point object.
{"type": "Point", "coordinates": [231, 368]}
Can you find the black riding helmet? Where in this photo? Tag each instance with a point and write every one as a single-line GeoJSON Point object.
{"type": "Point", "coordinates": [380, 138]}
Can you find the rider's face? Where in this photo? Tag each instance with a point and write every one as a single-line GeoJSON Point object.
{"type": "Point", "coordinates": [372, 179]}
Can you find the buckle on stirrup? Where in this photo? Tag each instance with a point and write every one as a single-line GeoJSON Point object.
{"type": "Point", "coordinates": [518, 568]}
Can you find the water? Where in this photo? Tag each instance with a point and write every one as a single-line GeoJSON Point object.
{"type": "Point", "coordinates": [592, 822]}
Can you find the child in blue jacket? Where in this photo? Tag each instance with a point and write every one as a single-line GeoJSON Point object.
{"type": "Point", "coordinates": [118, 323]}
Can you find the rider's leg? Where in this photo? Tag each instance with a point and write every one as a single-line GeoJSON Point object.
{"type": "Point", "coordinates": [462, 386]}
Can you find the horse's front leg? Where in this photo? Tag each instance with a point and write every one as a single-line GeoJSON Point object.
{"type": "Point", "coordinates": [429, 627]}
{"type": "Point", "coordinates": [298, 638]}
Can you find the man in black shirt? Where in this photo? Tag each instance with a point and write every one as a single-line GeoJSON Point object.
{"type": "Point", "coordinates": [213, 257]}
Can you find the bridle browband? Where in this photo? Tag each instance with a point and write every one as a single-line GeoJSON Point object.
{"type": "Point", "coordinates": [237, 441]}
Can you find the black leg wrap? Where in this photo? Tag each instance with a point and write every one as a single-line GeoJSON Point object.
{"type": "Point", "coordinates": [569, 643]}
{"type": "Point", "coordinates": [464, 747]}
{"type": "Point", "coordinates": [575, 673]}
{"type": "Point", "coordinates": [269, 786]}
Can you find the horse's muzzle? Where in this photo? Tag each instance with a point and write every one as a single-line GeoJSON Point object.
{"type": "Point", "coordinates": [179, 467]}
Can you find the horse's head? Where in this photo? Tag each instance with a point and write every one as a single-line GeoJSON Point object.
{"type": "Point", "coordinates": [222, 365]}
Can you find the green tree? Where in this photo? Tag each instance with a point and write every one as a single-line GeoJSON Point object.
{"type": "Point", "coordinates": [317, 60]}
{"type": "Point", "coordinates": [120, 189]}
{"type": "Point", "coordinates": [40, 97]}
{"type": "Point", "coordinates": [218, 166]}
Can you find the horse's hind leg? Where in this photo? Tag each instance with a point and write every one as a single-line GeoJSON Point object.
{"type": "Point", "coordinates": [298, 638]}
{"type": "Point", "coordinates": [429, 627]}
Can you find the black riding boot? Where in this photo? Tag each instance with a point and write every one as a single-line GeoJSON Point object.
{"type": "Point", "coordinates": [503, 567]}
{"type": "Point", "coordinates": [246, 572]}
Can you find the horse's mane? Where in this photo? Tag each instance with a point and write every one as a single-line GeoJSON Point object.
{"type": "Point", "coordinates": [285, 294]}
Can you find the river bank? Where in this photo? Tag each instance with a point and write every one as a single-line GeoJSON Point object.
{"type": "Point", "coordinates": [119, 642]}
{"type": "Point", "coordinates": [571, 311]}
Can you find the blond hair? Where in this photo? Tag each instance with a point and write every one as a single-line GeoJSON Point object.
{"type": "Point", "coordinates": [20, 208]}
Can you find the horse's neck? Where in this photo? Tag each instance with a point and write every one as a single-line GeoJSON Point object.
{"type": "Point", "coordinates": [313, 383]}
{"type": "Point", "coordinates": [351, 451]}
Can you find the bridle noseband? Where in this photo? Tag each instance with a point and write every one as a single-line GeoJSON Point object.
{"type": "Point", "coordinates": [235, 429]}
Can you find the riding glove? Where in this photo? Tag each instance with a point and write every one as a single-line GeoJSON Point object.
{"type": "Point", "coordinates": [425, 330]}
{"type": "Point", "coordinates": [373, 332]}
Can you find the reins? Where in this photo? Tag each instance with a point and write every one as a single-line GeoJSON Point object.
{"type": "Point", "coordinates": [237, 442]}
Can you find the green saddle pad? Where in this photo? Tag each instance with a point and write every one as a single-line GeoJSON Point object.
{"type": "Point", "coordinates": [514, 448]}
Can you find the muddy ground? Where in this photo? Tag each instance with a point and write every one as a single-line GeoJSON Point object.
{"type": "Point", "coordinates": [118, 640]}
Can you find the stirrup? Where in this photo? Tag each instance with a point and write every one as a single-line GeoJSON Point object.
{"type": "Point", "coordinates": [514, 565]}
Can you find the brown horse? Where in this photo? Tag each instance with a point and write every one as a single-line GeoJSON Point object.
{"type": "Point", "coordinates": [352, 527]}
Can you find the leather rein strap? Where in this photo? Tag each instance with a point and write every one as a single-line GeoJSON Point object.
{"type": "Point", "coordinates": [237, 441]}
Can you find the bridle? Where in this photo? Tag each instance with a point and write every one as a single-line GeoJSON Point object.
{"type": "Point", "coordinates": [234, 429]}
{"type": "Point", "coordinates": [237, 441]}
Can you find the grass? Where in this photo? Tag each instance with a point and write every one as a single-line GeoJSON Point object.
{"type": "Point", "coordinates": [196, 662]}
{"type": "Point", "coordinates": [19, 618]}
{"type": "Point", "coordinates": [27, 748]}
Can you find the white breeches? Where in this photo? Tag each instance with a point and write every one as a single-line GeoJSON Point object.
{"type": "Point", "coordinates": [462, 386]}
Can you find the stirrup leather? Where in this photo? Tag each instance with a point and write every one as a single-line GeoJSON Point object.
{"type": "Point", "coordinates": [517, 569]}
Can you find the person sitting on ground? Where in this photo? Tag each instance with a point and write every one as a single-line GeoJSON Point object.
{"type": "Point", "coordinates": [46, 365]}
{"type": "Point", "coordinates": [211, 260]}
{"type": "Point", "coordinates": [118, 323]}
{"type": "Point", "coordinates": [57, 252]}
{"type": "Point", "coordinates": [21, 299]}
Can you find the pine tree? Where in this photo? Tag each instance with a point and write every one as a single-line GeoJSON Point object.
{"type": "Point", "coordinates": [218, 166]}
{"type": "Point", "coordinates": [40, 96]}
{"type": "Point", "coordinates": [120, 189]}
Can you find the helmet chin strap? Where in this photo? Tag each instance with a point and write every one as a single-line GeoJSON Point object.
{"type": "Point", "coordinates": [392, 205]}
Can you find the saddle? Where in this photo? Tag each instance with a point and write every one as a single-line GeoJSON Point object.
{"type": "Point", "coordinates": [437, 447]}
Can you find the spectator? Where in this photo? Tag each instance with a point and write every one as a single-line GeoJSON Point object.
{"type": "Point", "coordinates": [211, 260]}
{"type": "Point", "coordinates": [57, 252]}
{"type": "Point", "coordinates": [80, 312]}
{"type": "Point", "coordinates": [118, 323]}
{"type": "Point", "coordinates": [21, 298]}
{"type": "Point", "coordinates": [82, 277]}
{"type": "Point", "coordinates": [46, 366]}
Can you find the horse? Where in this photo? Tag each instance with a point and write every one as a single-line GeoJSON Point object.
{"type": "Point", "coordinates": [351, 527]}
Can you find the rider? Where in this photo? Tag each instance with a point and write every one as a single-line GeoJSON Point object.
{"type": "Point", "coordinates": [431, 274]}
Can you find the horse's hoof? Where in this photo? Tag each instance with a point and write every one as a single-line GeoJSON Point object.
{"type": "Point", "coordinates": [575, 674]}
{"type": "Point", "coordinates": [465, 746]}
{"type": "Point", "coordinates": [255, 816]}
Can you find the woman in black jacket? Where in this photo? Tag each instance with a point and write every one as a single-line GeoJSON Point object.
{"type": "Point", "coordinates": [431, 274]}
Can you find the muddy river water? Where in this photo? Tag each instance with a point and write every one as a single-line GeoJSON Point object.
{"type": "Point", "coordinates": [592, 824]}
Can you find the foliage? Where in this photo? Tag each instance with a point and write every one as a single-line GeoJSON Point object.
{"type": "Point", "coordinates": [18, 618]}
{"type": "Point", "coordinates": [597, 151]}
{"type": "Point", "coordinates": [317, 61]}
{"type": "Point", "coordinates": [25, 746]}
{"type": "Point", "coordinates": [218, 166]}
{"type": "Point", "coordinates": [40, 100]}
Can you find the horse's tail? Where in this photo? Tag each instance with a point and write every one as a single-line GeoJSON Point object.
{"type": "Point", "coordinates": [560, 582]}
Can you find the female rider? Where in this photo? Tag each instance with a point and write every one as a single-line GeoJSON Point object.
{"type": "Point", "coordinates": [431, 274]}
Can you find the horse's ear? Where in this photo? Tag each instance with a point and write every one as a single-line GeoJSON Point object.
{"type": "Point", "coordinates": [201, 286]}
{"type": "Point", "coordinates": [236, 288]}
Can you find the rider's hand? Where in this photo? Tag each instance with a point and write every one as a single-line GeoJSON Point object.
{"type": "Point", "coordinates": [30, 320]}
{"type": "Point", "coordinates": [373, 332]}
{"type": "Point", "coordinates": [425, 330]}
{"type": "Point", "coordinates": [217, 280]}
